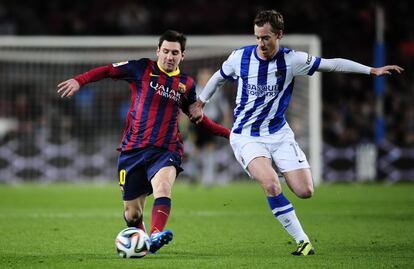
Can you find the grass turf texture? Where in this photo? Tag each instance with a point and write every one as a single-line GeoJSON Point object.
{"type": "Point", "coordinates": [74, 226]}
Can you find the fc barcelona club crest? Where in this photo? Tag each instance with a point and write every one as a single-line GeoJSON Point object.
{"type": "Point", "coordinates": [181, 87]}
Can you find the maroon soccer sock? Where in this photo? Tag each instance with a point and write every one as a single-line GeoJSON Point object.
{"type": "Point", "coordinates": [160, 214]}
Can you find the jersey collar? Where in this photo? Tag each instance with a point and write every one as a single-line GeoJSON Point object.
{"type": "Point", "coordinates": [170, 74]}
{"type": "Point", "coordinates": [269, 60]}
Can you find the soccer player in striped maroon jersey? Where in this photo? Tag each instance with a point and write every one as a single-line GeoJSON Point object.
{"type": "Point", "coordinates": [151, 149]}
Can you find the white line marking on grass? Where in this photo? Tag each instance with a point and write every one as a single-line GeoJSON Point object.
{"type": "Point", "coordinates": [70, 215]}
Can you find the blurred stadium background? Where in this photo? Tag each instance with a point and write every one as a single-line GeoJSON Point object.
{"type": "Point", "coordinates": [44, 138]}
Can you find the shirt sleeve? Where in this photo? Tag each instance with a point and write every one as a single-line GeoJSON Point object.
{"type": "Point", "coordinates": [129, 70]}
{"type": "Point", "coordinates": [343, 66]}
{"type": "Point", "coordinates": [214, 128]}
{"type": "Point", "coordinates": [227, 70]}
{"type": "Point", "coordinates": [304, 63]}
{"type": "Point", "coordinates": [94, 74]}
{"type": "Point", "coordinates": [212, 85]}
{"type": "Point", "coordinates": [124, 70]}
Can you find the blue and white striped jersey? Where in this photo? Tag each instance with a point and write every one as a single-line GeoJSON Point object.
{"type": "Point", "coordinates": [264, 87]}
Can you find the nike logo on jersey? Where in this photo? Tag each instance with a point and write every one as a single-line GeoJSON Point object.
{"type": "Point", "coordinates": [301, 161]}
{"type": "Point", "coordinates": [154, 75]}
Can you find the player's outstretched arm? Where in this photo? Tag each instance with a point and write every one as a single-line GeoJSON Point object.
{"type": "Point", "coordinates": [386, 70]}
{"type": "Point", "coordinates": [68, 88]}
{"type": "Point", "coordinates": [349, 66]}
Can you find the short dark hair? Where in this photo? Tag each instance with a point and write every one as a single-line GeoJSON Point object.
{"type": "Point", "coordinates": [273, 17]}
{"type": "Point", "coordinates": [173, 36]}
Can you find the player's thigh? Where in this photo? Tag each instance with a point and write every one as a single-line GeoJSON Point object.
{"type": "Point", "coordinates": [300, 182]}
{"type": "Point", "coordinates": [132, 172]}
{"type": "Point", "coordinates": [134, 183]}
{"type": "Point", "coordinates": [262, 170]}
{"type": "Point", "coordinates": [163, 181]}
{"type": "Point", "coordinates": [246, 149]}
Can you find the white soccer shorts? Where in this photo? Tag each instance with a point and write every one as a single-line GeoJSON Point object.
{"type": "Point", "coordinates": [281, 147]}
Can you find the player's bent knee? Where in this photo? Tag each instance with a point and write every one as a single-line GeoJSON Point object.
{"type": "Point", "coordinates": [305, 193]}
{"type": "Point", "coordinates": [132, 216]}
{"type": "Point", "coordinates": [271, 188]}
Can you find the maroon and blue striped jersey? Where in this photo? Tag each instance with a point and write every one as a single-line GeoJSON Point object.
{"type": "Point", "coordinates": [156, 100]}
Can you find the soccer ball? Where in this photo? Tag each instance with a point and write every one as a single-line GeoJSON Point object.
{"type": "Point", "coordinates": [132, 243]}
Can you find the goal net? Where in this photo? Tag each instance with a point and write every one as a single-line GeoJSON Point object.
{"type": "Point", "coordinates": [43, 137]}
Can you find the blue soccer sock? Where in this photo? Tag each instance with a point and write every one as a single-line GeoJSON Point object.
{"type": "Point", "coordinates": [285, 213]}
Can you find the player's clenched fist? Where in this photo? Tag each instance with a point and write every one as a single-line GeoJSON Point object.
{"type": "Point", "coordinates": [68, 87]}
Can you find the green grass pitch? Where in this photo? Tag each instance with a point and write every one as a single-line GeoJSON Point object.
{"type": "Point", "coordinates": [74, 226]}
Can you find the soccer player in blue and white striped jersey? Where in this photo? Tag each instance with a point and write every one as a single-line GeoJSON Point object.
{"type": "Point", "coordinates": [265, 74]}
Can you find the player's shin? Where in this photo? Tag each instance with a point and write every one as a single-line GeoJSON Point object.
{"type": "Point", "coordinates": [285, 213]}
{"type": "Point", "coordinates": [160, 213]}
